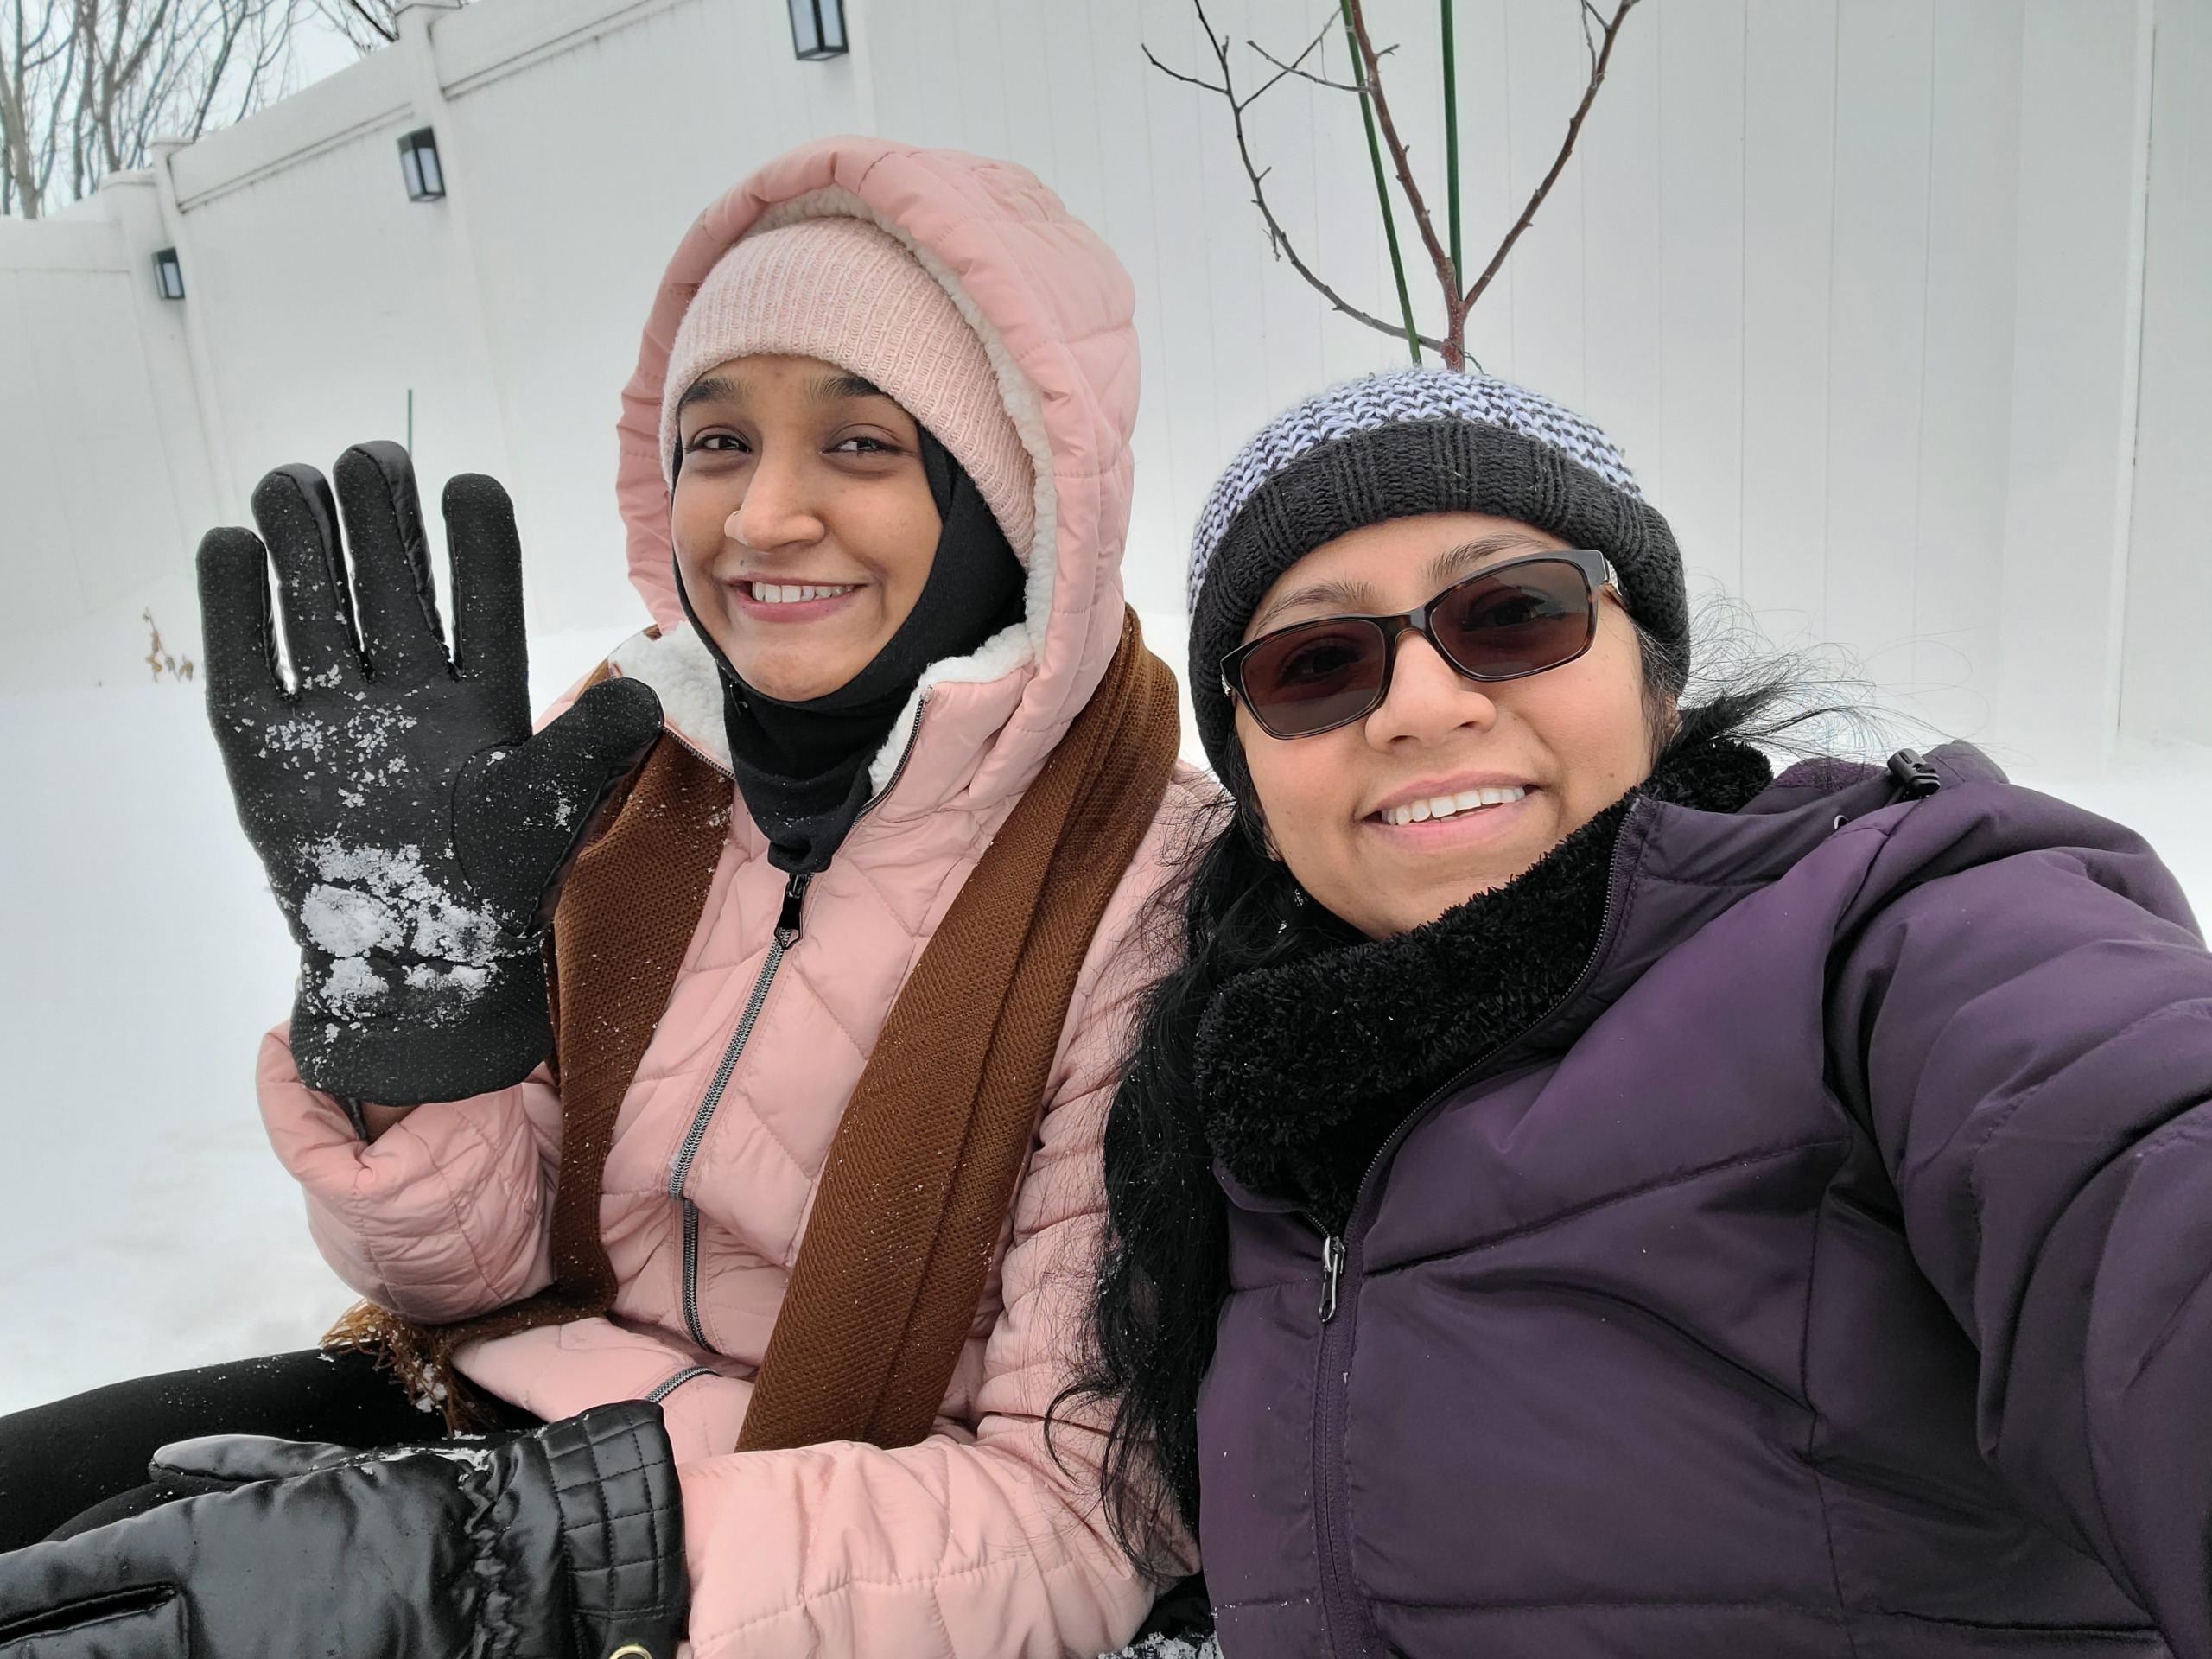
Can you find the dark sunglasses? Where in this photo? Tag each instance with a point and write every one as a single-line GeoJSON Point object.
{"type": "Point", "coordinates": [1504, 622]}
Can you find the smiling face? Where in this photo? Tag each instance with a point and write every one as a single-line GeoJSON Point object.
{"type": "Point", "coordinates": [1496, 774]}
{"type": "Point", "coordinates": [803, 524]}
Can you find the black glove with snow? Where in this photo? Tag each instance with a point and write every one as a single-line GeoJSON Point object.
{"type": "Point", "coordinates": [414, 830]}
{"type": "Point", "coordinates": [563, 1543]}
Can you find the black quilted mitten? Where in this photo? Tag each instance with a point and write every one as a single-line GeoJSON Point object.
{"type": "Point", "coordinates": [566, 1542]}
{"type": "Point", "coordinates": [413, 829]}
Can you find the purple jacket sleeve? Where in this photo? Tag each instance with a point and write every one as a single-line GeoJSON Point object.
{"type": "Point", "coordinates": [2027, 1030]}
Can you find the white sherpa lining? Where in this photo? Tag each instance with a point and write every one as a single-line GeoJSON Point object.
{"type": "Point", "coordinates": [681, 672]}
{"type": "Point", "coordinates": [1008, 649]}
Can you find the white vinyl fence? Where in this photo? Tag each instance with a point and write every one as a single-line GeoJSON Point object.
{"type": "Point", "coordinates": [1902, 309]}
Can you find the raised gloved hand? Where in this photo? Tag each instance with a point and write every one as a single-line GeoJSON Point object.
{"type": "Point", "coordinates": [563, 1543]}
{"type": "Point", "coordinates": [414, 831]}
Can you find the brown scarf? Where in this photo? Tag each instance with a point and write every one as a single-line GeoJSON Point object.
{"type": "Point", "coordinates": [922, 1168]}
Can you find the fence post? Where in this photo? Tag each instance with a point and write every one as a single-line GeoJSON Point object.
{"type": "Point", "coordinates": [226, 497]}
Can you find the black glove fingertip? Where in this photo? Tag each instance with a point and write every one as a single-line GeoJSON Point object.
{"type": "Point", "coordinates": [238, 642]}
{"type": "Point", "coordinates": [623, 718]}
{"type": "Point", "coordinates": [396, 593]}
{"type": "Point", "coordinates": [298, 517]}
{"type": "Point", "coordinates": [490, 642]}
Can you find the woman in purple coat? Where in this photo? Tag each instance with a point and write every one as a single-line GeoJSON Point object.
{"type": "Point", "coordinates": [1583, 1194]}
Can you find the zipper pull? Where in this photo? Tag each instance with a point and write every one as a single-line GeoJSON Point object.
{"type": "Point", "coordinates": [1332, 1272]}
{"type": "Point", "coordinates": [1915, 778]}
{"type": "Point", "coordinates": [787, 920]}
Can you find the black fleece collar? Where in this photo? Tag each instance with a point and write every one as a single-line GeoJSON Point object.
{"type": "Point", "coordinates": [1305, 1069]}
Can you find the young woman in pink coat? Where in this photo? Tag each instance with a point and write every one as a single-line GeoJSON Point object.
{"type": "Point", "coordinates": [876, 473]}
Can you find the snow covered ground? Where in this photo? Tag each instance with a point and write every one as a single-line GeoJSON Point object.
{"type": "Point", "coordinates": [145, 1226]}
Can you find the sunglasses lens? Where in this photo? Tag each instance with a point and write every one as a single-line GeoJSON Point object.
{"type": "Point", "coordinates": [1532, 617]}
{"type": "Point", "coordinates": [1306, 680]}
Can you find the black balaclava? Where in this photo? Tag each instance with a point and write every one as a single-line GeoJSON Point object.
{"type": "Point", "coordinates": [803, 767]}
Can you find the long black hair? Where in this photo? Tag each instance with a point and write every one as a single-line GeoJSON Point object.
{"type": "Point", "coordinates": [1163, 1273]}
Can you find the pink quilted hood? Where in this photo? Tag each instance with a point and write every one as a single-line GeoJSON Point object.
{"type": "Point", "coordinates": [1053, 308]}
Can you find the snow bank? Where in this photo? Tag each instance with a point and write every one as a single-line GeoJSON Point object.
{"type": "Point", "coordinates": [147, 1226]}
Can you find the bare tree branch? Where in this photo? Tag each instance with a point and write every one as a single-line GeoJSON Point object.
{"type": "Point", "coordinates": [388, 34]}
{"type": "Point", "coordinates": [1295, 66]}
{"type": "Point", "coordinates": [1601, 55]}
{"type": "Point", "coordinates": [1278, 240]}
{"type": "Point", "coordinates": [1600, 33]}
{"type": "Point", "coordinates": [1188, 81]}
{"type": "Point", "coordinates": [1307, 74]}
{"type": "Point", "coordinates": [367, 24]}
{"type": "Point", "coordinates": [269, 60]}
{"type": "Point", "coordinates": [33, 63]}
{"type": "Point", "coordinates": [229, 30]}
{"type": "Point", "coordinates": [86, 85]}
{"type": "Point", "coordinates": [1291, 68]}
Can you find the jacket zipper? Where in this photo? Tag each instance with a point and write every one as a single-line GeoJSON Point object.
{"type": "Point", "coordinates": [662, 1390]}
{"type": "Point", "coordinates": [787, 935]}
{"type": "Point", "coordinates": [1343, 1616]}
{"type": "Point", "coordinates": [787, 929]}
{"type": "Point", "coordinates": [1332, 1272]}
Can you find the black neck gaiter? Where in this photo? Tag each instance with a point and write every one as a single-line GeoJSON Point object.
{"type": "Point", "coordinates": [803, 767]}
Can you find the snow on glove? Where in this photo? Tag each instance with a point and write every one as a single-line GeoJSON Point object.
{"type": "Point", "coordinates": [413, 829]}
{"type": "Point", "coordinates": [563, 1543]}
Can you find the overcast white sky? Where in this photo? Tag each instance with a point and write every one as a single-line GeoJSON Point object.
{"type": "Point", "coordinates": [317, 50]}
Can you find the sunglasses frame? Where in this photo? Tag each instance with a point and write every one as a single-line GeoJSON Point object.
{"type": "Point", "coordinates": [1597, 576]}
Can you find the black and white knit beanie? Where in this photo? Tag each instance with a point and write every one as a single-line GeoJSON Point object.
{"type": "Point", "coordinates": [1396, 446]}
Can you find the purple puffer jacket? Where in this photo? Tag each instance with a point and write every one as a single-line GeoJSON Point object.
{"type": "Point", "coordinates": [1830, 1274]}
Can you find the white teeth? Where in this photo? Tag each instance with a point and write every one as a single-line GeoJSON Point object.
{"type": "Point", "coordinates": [1447, 806]}
{"type": "Point", "coordinates": [769, 593]}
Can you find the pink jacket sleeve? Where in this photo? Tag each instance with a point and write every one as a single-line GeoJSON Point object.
{"type": "Point", "coordinates": [446, 1214]}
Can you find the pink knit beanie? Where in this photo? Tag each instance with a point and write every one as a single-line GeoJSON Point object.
{"type": "Point", "coordinates": [842, 289]}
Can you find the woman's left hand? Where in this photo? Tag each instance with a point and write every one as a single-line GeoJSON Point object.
{"type": "Point", "coordinates": [567, 1541]}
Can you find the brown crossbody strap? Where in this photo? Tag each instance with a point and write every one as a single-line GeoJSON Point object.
{"type": "Point", "coordinates": [923, 1169]}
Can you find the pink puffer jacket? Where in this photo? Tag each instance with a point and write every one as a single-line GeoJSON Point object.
{"type": "Point", "coordinates": [974, 1542]}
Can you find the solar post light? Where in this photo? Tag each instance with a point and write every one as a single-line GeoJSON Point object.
{"type": "Point", "coordinates": [418, 160]}
{"type": "Point", "coordinates": [818, 30]}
